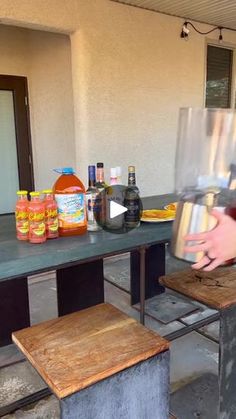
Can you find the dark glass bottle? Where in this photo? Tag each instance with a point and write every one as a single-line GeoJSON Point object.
{"type": "Point", "coordinates": [132, 201]}
{"type": "Point", "coordinates": [93, 202]}
{"type": "Point", "coordinates": [101, 185]}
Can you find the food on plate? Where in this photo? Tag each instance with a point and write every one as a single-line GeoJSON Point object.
{"type": "Point", "coordinates": [157, 214]}
{"type": "Point", "coordinates": [172, 206]}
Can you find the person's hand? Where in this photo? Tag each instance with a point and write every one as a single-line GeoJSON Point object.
{"type": "Point", "coordinates": [219, 244]}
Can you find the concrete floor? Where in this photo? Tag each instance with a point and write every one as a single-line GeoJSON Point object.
{"type": "Point", "coordinates": [191, 355]}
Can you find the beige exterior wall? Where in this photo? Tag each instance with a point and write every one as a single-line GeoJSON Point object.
{"type": "Point", "coordinates": [134, 72]}
{"type": "Point", "coordinates": [44, 58]}
{"type": "Point", "coordinates": [131, 74]}
{"type": "Point", "coordinates": [50, 15]}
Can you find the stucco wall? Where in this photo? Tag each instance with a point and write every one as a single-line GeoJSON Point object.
{"type": "Point", "coordinates": [134, 72]}
{"type": "Point", "coordinates": [131, 74]}
{"type": "Point", "coordinates": [44, 58]}
{"type": "Point", "coordinates": [51, 15]}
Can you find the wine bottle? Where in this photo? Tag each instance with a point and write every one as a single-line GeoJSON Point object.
{"type": "Point", "coordinates": [132, 201]}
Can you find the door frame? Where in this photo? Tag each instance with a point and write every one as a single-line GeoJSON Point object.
{"type": "Point", "coordinates": [18, 86]}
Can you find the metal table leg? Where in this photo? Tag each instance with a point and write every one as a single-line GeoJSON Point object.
{"type": "Point", "coordinates": [227, 363]}
{"type": "Point", "coordinates": [205, 397]}
{"type": "Point", "coordinates": [142, 251]}
{"type": "Point", "coordinates": [155, 267]}
{"type": "Point", "coordinates": [14, 307]}
{"type": "Point", "coordinates": [25, 401]}
{"type": "Point", "coordinates": [80, 286]}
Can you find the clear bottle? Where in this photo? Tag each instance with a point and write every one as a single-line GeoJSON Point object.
{"type": "Point", "coordinates": [113, 176]}
{"type": "Point", "coordinates": [132, 201]}
{"type": "Point", "coordinates": [100, 180]}
{"type": "Point", "coordinates": [36, 211]}
{"type": "Point", "coordinates": [114, 193]}
{"type": "Point", "coordinates": [119, 175]}
{"type": "Point", "coordinates": [51, 216]}
{"type": "Point", "coordinates": [21, 216]}
{"type": "Point", "coordinates": [93, 202]}
{"type": "Point", "coordinates": [69, 193]}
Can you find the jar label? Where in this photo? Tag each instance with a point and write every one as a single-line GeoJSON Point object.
{"type": "Point", "coordinates": [71, 210]}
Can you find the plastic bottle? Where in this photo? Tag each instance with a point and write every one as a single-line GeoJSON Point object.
{"type": "Point", "coordinates": [51, 218]}
{"type": "Point", "coordinates": [21, 214]}
{"type": "Point", "coordinates": [36, 211]}
{"type": "Point", "coordinates": [69, 193]}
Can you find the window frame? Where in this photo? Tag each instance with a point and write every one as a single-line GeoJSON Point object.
{"type": "Point", "coordinates": [232, 47]}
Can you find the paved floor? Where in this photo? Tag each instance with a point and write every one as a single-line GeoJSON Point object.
{"type": "Point", "coordinates": [191, 355]}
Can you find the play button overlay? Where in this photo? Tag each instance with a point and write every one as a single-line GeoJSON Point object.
{"type": "Point", "coordinates": [120, 209]}
{"type": "Point", "coordinates": [116, 209]}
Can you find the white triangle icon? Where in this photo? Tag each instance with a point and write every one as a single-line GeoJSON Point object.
{"type": "Point", "coordinates": [116, 209]}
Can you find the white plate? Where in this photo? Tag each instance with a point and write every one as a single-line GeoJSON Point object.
{"type": "Point", "coordinates": [156, 220]}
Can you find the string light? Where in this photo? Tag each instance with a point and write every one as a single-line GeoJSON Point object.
{"type": "Point", "coordinates": [220, 36]}
{"type": "Point", "coordinates": [185, 31]}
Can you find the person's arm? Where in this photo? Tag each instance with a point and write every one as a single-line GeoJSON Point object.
{"type": "Point", "coordinates": [219, 244]}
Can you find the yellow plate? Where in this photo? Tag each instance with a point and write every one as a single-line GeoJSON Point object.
{"type": "Point", "coordinates": [157, 215]}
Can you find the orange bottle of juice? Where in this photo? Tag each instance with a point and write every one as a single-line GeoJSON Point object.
{"type": "Point", "coordinates": [21, 214]}
{"type": "Point", "coordinates": [51, 218]}
{"type": "Point", "coordinates": [69, 193]}
{"type": "Point", "coordinates": [36, 211]}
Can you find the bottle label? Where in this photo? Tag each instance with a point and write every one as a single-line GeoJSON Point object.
{"type": "Point", "coordinates": [22, 229]}
{"type": "Point", "coordinates": [51, 220]}
{"type": "Point", "coordinates": [133, 212]}
{"type": "Point", "coordinates": [37, 231]}
{"type": "Point", "coordinates": [94, 206]}
{"type": "Point", "coordinates": [36, 216]}
{"type": "Point", "coordinates": [22, 224]}
{"type": "Point", "coordinates": [131, 179]}
{"type": "Point", "coordinates": [71, 210]}
{"type": "Point", "coordinates": [50, 213]}
{"type": "Point", "coordinates": [115, 194]}
{"type": "Point", "coordinates": [21, 215]}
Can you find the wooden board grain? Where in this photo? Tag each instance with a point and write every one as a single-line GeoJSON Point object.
{"type": "Point", "coordinates": [217, 289]}
{"type": "Point", "coordinates": [77, 350]}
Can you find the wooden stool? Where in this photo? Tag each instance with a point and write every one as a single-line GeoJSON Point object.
{"type": "Point", "coordinates": [101, 364]}
{"type": "Point", "coordinates": [217, 289]}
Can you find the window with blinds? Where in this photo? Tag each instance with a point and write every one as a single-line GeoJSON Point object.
{"type": "Point", "coordinates": [219, 77]}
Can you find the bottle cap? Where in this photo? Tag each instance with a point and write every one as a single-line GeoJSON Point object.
{"type": "Point", "coordinates": [65, 170]}
{"type": "Point", "coordinates": [100, 165]}
{"type": "Point", "coordinates": [35, 193]}
{"type": "Point", "coordinates": [47, 191]}
{"type": "Point", "coordinates": [91, 172]}
{"type": "Point", "coordinates": [21, 192]}
{"type": "Point", "coordinates": [113, 172]}
{"type": "Point", "coordinates": [131, 169]}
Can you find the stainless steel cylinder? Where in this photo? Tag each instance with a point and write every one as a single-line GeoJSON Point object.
{"type": "Point", "coordinates": [191, 218]}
